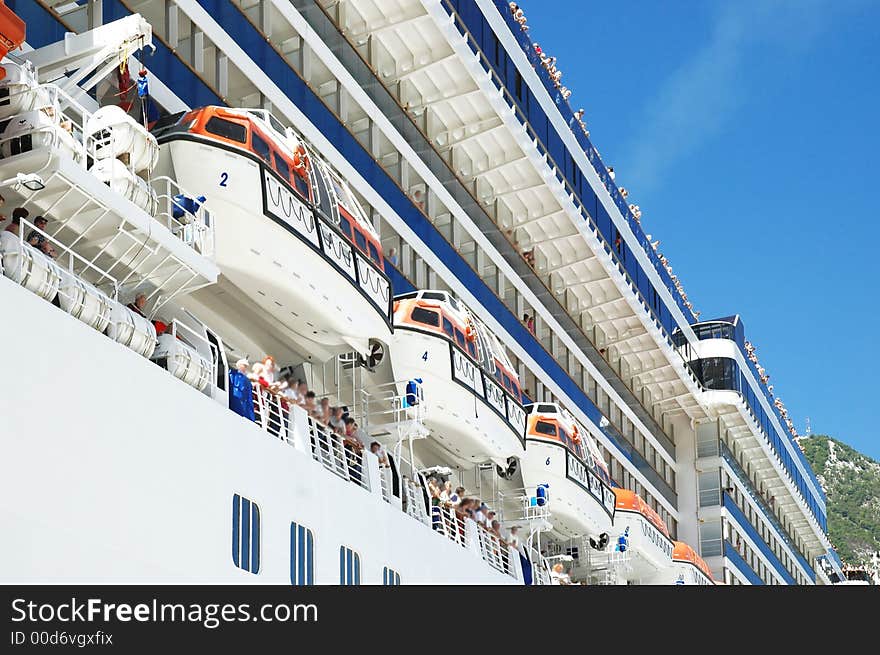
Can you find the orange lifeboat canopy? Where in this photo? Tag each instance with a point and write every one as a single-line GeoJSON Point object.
{"type": "Point", "coordinates": [685, 553]}
{"type": "Point", "coordinates": [630, 501]}
{"type": "Point", "coordinates": [12, 33]}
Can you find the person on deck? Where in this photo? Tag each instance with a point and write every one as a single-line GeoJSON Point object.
{"type": "Point", "coordinates": [241, 399]}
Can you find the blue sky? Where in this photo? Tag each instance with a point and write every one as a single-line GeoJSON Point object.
{"type": "Point", "coordinates": [747, 132]}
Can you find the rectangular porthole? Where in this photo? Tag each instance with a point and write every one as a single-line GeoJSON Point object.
{"type": "Point", "coordinates": [245, 534]}
{"type": "Point", "coordinates": [302, 556]}
{"type": "Point", "coordinates": [390, 577]}
{"type": "Point", "coordinates": [349, 567]}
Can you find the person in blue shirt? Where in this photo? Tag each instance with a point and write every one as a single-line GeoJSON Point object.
{"type": "Point", "coordinates": [241, 399]}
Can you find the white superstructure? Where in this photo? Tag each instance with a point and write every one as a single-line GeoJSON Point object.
{"type": "Point", "coordinates": [364, 152]}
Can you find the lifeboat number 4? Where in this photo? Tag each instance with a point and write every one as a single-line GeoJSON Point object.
{"type": "Point", "coordinates": [425, 356]}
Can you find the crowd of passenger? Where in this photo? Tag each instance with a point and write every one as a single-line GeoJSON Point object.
{"type": "Point", "coordinates": [287, 391]}
{"type": "Point", "coordinates": [548, 62]}
{"type": "Point", "coordinates": [444, 496]}
{"type": "Point", "coordinates": [764, 377]}
{"type": "Point", "coordinates": [555, 75]}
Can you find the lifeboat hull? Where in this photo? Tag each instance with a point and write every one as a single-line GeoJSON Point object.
{"type": "Point", "coordinates": [650, 552]}
{"type": "Point", "coordinates": [456, 409]}
{"type": "Point", "coordinates": [267, 244]}
{"type": "Point", "coordinates": [575, 510]}
{"type": "Point", "coordinates": [682, 573]}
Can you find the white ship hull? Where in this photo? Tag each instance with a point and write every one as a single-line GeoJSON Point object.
{"type": "Point", "coordinates": [456, 412]}
{"type": "Point", "coordinates": [115, 472]}
{"type": "Point", "coordinates": [575, 511]}
{"type": "Point", "coordinates": [267, 245]}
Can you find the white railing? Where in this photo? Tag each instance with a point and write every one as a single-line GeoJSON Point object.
{"type": "Point", "coordinates": [58, 274]}
{"type": "Point", "coordinates": [337, 454]}
{"type": "Point", "coordinates": [449, 523]}
{"type": "Point", "coordinates": [271, 413]}
{"type": "Point", "coordinates": [494, 550]}
{"type": "Point", "coordinates": [184, 216]}
{"type": "Point", "coordinates": [52, 120]}
{"type": "Point", "coordinates": [414, 500]}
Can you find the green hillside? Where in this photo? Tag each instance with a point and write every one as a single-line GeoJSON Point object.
{"type": "Point", "coordinates": [852, 482]}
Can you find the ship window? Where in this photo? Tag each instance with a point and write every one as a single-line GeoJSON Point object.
{"type": "Point", "coordinates": [542, 427]}
{"type": "Point", "coordinates": [434, 295]}
{"type": "Point", "coordinates": [275, 123]}
{"type": "Point", "coordinates": [507, 383]}
{"type": "Point", "coordinates": [459, 337]}
{"type": "Point", "coordinates": [245, 534]}
{"type": "Point", "coordinates": [425, 316]}
{"type": "Point", "coordinates": [360, 240]}
{"type": "Point", "coordinates": [472, 349]}
{"type": "Point", "coordinates": [282, 167]}
{"type": "Point", "coordinates": [301, 186]}
{"type": "Point", "coordinates": [563, 437]}
{"type": "Point", "coordinates": [454, 303]}
{"type": "Point", "coordinates": [226, 129]}
{"type": "Point", "coordinates": [447, 326]}
{"type": "Point", "coordinates": [302, 556]}
{"type": "Point", "coordinates": [547, 409]}
{"type": "Point", "coordinates": [260, 147]}
{"type": "Point", "coordinates": [374, 253]}
{"type": "Point", "coordinates": [390, 577]}
{"type": "Point", "coordinates": [349, 566]}
{"type": "Point", "coordinates": [345, 226]}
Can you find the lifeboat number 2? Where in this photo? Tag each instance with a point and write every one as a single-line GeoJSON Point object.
{"type": "Point", "coordinates": [224, 178]}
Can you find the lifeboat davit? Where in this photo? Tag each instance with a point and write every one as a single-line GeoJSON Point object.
{"type": "Point", "coordinates": [561, 454]}
{"type": "Point", "coordinates": [641, 535]}
{"type": "Point", "coordinates": [687, 568]}
{"type": "Point", "coordinates": [472, 395]}
{"type": "Point", "coordinates": [289, 234]}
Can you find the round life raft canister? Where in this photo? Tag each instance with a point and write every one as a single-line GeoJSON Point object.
{"type": "Point", "coordinates": [131, 330]}
{"type": "Point", "coordinates": [112, 133]}
{"type": "Point", "coordinates": [119, 177]}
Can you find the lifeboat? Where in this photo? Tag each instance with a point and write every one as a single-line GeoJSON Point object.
{"type": "Point", "coordinates": [561, 454]}
{"type": "Point", "coordinates": [641, 535]}
{"type": "Point", "coordinates": [289, 234]}
{"type": "Point", "coordinates": [687, 568]}
{"type": "Point", "coordinates": [472, 395]}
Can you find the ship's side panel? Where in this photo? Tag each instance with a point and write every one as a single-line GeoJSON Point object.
{"type": "Point", "coordinates": [113, 471]}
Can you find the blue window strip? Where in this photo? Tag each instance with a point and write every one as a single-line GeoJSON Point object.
{"type": "Point", "coordinates": [482, 32]}
{"type": "Point", "coordinates": [310, 558]}
{"type": "Point", "coordinates": [255, 542]}
{"type": "Point", "coordinates": [741, 565]}
{"type": "Point", "coordinates": [301, 555]}
{"type": "Point", "coordinates": [245, 533]}
{"type": "Point", "coordinates": [529, 106]}
{"type": "Point", "coordinates": [342, 579]}
{"type": "Point", "coordinates": [236, 529]}
{"type": "Point", "coordinates": [292, 85]}
{"type": "Point", "coordinates": [741, 474]}
{"type": "Point", "coordinates": [745, 525]}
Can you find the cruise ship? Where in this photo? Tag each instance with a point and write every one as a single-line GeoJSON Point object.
{"type": "Point", "coordinates": [339, 292]}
